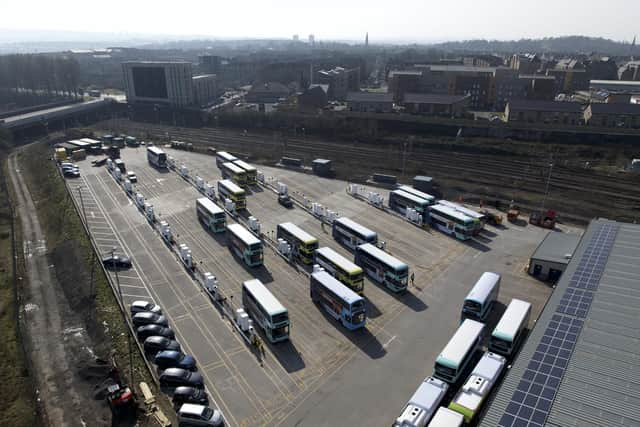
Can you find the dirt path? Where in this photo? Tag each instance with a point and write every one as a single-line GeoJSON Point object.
{"type": "Point", "coordinates": [55, 337]}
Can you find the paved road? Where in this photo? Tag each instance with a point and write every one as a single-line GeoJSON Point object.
{"type": "Point", "coordinates": [56, 342]}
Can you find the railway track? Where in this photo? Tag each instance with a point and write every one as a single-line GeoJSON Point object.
{"type": "Point", "coordinates": [594, 192]}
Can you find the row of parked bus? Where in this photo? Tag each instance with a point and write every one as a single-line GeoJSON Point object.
{"type": "Point", "coordinates": [454, 361]}
{"type": "Point", "coordinates": [238, 171]}
{"type": "Point", "coordinates": [448, 217]}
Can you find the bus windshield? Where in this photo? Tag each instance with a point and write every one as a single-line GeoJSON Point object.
{"type": "Point", "coordinates": [279, 318]}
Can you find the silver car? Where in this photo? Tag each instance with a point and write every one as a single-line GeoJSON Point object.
{"type": "Point", "coordinates": [199, 415]}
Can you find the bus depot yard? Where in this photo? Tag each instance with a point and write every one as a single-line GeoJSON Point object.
{"type": "Point", "coordinates": [325, 374]}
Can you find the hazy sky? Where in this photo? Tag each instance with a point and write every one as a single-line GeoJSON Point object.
{"type": "Point", "coordinates": [388, 20]}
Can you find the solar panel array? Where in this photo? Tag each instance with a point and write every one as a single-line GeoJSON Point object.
{"type": "Point", "coordinates": [532, 400]}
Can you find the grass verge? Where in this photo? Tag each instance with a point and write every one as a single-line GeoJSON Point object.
{"type": "Point", "coordinates": [17, 401]}
{"type": "Point", "coordinates": [95, 299]}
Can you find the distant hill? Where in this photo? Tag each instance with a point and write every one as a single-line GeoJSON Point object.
{"type": "Point", "coordinates": [569, 44]}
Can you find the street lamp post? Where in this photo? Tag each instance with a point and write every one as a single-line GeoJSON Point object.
{"type": "Point", "coordinates": [546, 189]}
{"type": "Point", "coordinates": [113, 260]}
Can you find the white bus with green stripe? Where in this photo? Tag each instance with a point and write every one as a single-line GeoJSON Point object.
{"type": "Point", "coordinates": [508, 333]}
{"type": "Point", "coordinates": [478, 386]}
{"type": "Point", "coordinates": [459, 351]}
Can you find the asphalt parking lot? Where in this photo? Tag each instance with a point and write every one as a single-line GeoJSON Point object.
{"type": "Point", "coordinates": [325, 375]}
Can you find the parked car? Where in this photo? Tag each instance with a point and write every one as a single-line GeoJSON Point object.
{"type": "Point", "coordinates": [174, 359]}
{"type": "Point", "coordinates": [176, 377]}
{"type": "Point", "coordinates": [131, 176]}
{"type": "Point", "coordinates": [186, 394]}
{"type": "Point", "coordinates": [71, 173]}
{"type": "Point", "coordinates": [116, 261]}
{"type": "Point", "coordinates": [285, 201]}
{"type": "Point", "coordinates": [199, 415]}
{"type": "Point", "coordinates": [154, 345]}
{"type": "Point", "coordinates": [148, 318]}
{"type": "Point", "coordinates": [141, 305]}
{"type": "Point", "coordinates": [145, 331]}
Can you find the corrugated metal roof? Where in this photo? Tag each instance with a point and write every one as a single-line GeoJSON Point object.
{"type": "Point", "coordinates": [601, 384]}
{"type": "Point", "coordinates": [556, 246]}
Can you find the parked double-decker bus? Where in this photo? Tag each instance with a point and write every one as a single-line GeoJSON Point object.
{"type": "Point", "coordinates": [400, 201]}
{"type": "Point", "coordinates": [211, 215]}
{"type": "Point", "coordinates": [303, 244]}
{"type": "Point", "coordinates": [450, 221]}
{"type": "Point", "coordinates": [459, 351]}
{"type": "Point", "coordinates": [341, 268]}
{"type": "Point", "coordinates": [157, 157]}
{"type": "Point", "coordinates": [339, 301]}
{"type": "Point", "coordinates": [506, 337]}
{"type": "Point", "coordinates": [266, 310]}
{"type": "Point", "coordinates": [482, 297]}
{"type": "Point", "coordinates": [228, 190]}
{"type": "Point", "coordinates": [480, 219]}
{"type": "Point", "coordinates": [245, 244]}
{"type": "Point", "coordinates": [352, 234]}
{"type": "Point", "coordinates": [235, 173]}
{"type": "Point", "coordinates": [251, 172]}
{"type": "Point", "coordinates": [428, 197]}
{"type": "Point", "coordinates": [224, 157]}
{"type": "Point", "coordinates": [382, 267]}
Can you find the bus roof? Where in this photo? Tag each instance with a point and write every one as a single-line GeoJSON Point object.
{"type": "Point", "coordinates": [231, 186]}
{"type": "Point", "coordinates": [336, 287]}
{"type": "Point", "coordinates": [79, 143]}
{"type": "Point", "coordinates": [451, 212]}
{"type": "Point", "coordinates": [264, 296]}
{"type": "Point", "coordinates": [410, 196]}
{"type": "Point", "coordinates": [233, 167]}
{"type": "Point", "coordinates": [227, 156]}
{"type": "Point", "coordinates": [418, 193]}
{"type": "Point", "coordinates": [298, 232]}
{"type": "Point", "coordinates": [356, 227]}
{"type": "Point", "coordinates": [209, 205]}
{"type": "Point", "coordinates": [391, 261]}
{"type": "Point", "coordinates": [460, 208]}
{"type": "Point", "coordinates": [155, 150]}
{"type": "Point", "coordinates": [446, 417]}
{"type": "Point", "coordinates": [244, 234]}
{"type": "Point", "coordinates": [244, 165]}
{"type": "Point", "coordinates": [338, 259]}
{"type": "Point", "coordinates": [458, 346]}
{"type": "Point", "coordinates": [511, 320]}
{"type": "Point", "coordinates": [91, 141]}
{"type": "Point", "coordinates": [483, 287]}
{"type": "Point", "coordinates": [429, 394]}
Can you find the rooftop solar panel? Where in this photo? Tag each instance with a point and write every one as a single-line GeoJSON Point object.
{"type": "Point", "coordinates": [532, 400]}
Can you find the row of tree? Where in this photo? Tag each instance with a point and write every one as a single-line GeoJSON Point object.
{"type": "Point", "coordinates": [40, 74]}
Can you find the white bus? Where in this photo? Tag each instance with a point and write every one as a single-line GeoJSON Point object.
{"type": "Point", "coordinates": [481, 218]}
{"type": "Point", "coordinates": [211, 215]}
{"type": "Point", "coordinates": [445, 417]}
{"type": "Point", "coordinates": [339, 301]}
{"type": "Point", "coordinates": [352, 234]}
{"type": "Point", "coordinates": [508, 333]}
{"type": "Point", "coordinates": [224, 157]}
{"type": "Point", "coordinates": [460, 350]}
{"type": "Point", "coordinates": [400, 201]}
{"type": "Point", "coordinates": [247, 246]}
{"type": "Point", "coordinates": [450, 221]}
{"type": "Point", "coordinates": [382, 267]}
{"type": "Point", "coordinates": [478, 386]}
{"type": "Point", "coordinates": [252, 173]}
{"type": "Point", "coordinates": [228, 190]}
{"type": "Point", "coordinates": [303, 244]}
{"type": "Point", "coordinates": [428, 197]}
{"type": "Point", "coordinates": [266, 310]}
{"type": "Point", "coordinates": [482, 297]}
{"type": "Point", "coordinates": [423, 404]}
{"type": "Point", "coordinates": [341, 268]}
{"type": "Point", "coordinates": [157, 157]}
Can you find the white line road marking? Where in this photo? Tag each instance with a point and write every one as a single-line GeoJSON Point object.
{"type": "Point", "coordinates": [385, 345]}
